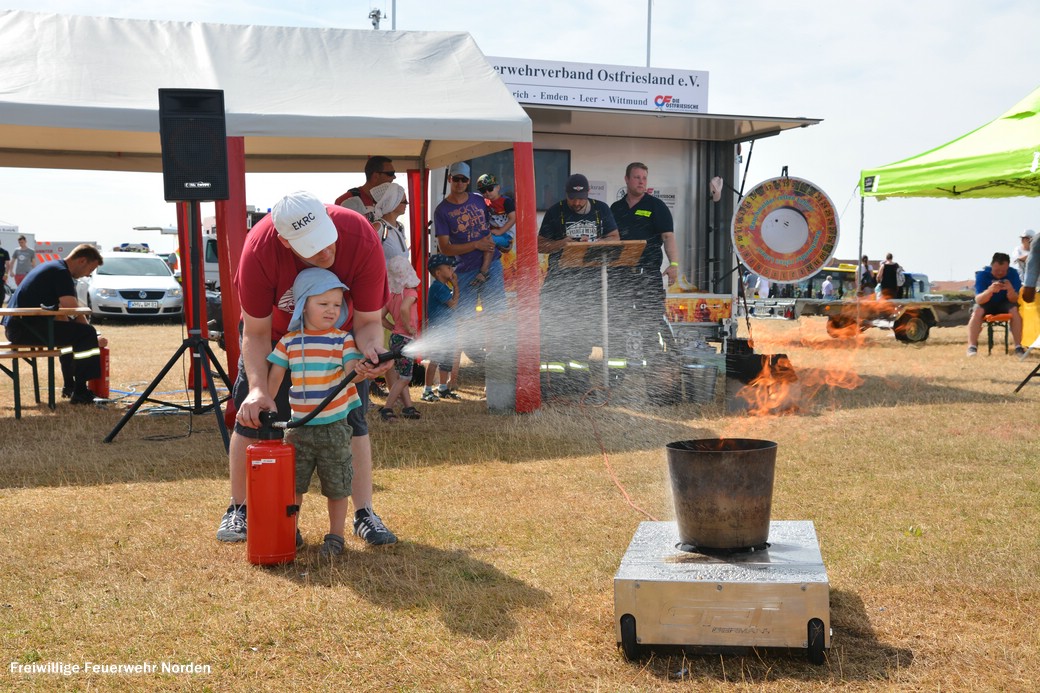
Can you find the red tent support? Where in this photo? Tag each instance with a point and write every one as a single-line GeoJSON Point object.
{"type": "Point", "coordinates": [528, 335]}
{"type": "Point", "coordinates": [417, 220]}
{"type": "Point", "coordinates": [231, 237]}
{"type": "Point", "coordinates": [189, 282]}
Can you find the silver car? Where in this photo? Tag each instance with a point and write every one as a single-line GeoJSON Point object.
{"type": "Point", "coordinates": [132, 285]}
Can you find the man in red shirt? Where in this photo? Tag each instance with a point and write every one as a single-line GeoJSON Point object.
{"type": "Point", "coordinates": [302, 232]}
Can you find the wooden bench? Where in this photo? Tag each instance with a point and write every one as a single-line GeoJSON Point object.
{"type": "Point", "coordinates": [28, 353]}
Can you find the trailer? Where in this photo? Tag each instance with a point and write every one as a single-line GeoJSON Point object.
{"type": "Point", "coordinates": [910, 319]}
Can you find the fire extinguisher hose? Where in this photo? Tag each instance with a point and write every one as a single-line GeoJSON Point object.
{"type": "Point", "coordinates": [269, 416]}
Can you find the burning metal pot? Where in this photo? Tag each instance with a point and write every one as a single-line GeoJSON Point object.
{"type": "Point", "coordinates": [722, 489]}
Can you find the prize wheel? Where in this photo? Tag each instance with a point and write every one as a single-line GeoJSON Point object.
{"type": "Point", "coordinates": [785, 229]}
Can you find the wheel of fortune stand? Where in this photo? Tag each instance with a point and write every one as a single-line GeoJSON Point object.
{"type": "Point", "coordinates": [785, 229]}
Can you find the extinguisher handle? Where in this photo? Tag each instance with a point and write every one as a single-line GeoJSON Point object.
{"type": "Point", "coordinates": [269, 419]}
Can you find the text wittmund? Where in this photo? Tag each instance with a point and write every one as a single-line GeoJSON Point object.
{"type": "Point", "coordinates": [557, 83]}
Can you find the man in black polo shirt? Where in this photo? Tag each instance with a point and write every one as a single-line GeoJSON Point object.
{"type": "Point", "coordinates": [638, 293]}
{"type": "Point", "coordinates": [53, 285]}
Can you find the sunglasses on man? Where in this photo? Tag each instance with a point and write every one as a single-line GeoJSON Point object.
{"type": "Point", "coordinates": [459, 179]}
{"type": "Point", "coordinates": [391, 174]}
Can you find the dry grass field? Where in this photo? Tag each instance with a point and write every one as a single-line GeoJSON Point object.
{"type": "Point", "coordinates": [916, 464]}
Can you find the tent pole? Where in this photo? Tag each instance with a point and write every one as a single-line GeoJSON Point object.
{"type": "Point", "coordinates": [859, 258]}
{"type": "Point", "coordinates": [419, 241]}
{"type": "Point", "coordinates": [231, 238]}
{"type": "Point", "coordinates": [528, 339]}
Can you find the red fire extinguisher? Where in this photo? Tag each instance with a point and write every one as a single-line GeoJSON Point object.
{"type": "Point", "coordinates": [271, 497]}
{"type": "Point", "coordinates": [100, 385]}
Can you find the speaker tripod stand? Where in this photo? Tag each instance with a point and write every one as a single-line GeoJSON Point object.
{"type": "Point", "coordinates": [203, 359]}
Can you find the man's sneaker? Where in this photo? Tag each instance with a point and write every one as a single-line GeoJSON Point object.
{"type": "Point", "coordinates": [369, 527]}
{"type": "Point", "coordinates": [448, 394]}
{"type": "Point", "coordinates": [331, 546]}
{"type": "Point", "coordinates": [973, 350]}
{"type": "Point", "coordinates": [1020, 352]}
{"type": "Point", "coordinates": [299, 540]}
{"type": "Point", "coordinates": [233, 524]}
{"type": "Point", "coordinates": [430, 396]}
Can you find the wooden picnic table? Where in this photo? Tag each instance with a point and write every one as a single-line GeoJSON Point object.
{"type": "Point", "coordinates": [50, 314]}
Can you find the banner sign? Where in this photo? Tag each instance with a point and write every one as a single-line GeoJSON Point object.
{"type": "Point", "coordinates": [557, 83]}
{"type": "Point", "coordinates": [785, 229]}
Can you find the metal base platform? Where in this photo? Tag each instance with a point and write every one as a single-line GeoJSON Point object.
{"type": "Point", "coordinates": [778, 597]}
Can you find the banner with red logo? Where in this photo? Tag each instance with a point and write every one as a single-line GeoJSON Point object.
{"type": "Point", "coordinates": [559, 83]}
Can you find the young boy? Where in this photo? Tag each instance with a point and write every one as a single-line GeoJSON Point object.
{"type": "Point", "coordinates": [318, 355]}
{"type": "Point", "coordinates": [441, 351]}
{"type": "Point", "coordinates": [501, 211]}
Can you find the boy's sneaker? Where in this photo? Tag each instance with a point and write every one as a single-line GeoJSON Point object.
{"type": "Point", "coordinates": [299, 540]}
{"type": "Point", "coordinates": [369, 527]}
{"type": "Point", "coordinates": [430, 396]}
{"type": "Point", "coordinates": [233, 524]}
{"type": "Point", "coordinates": [448, 394]}
{"type": "Point", "coordinates": [973, 350]}
{"type": "Point", "coordinates": [332, 546]}
{"type": "Point", "coordinates": [1020, 351]}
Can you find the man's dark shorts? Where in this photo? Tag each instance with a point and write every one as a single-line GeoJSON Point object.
{"type": "Point", "coordinates": [240, 390]}
{"type": "Point", "coordinates": [997, 307]}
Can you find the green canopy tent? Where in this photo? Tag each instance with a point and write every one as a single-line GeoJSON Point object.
{"type": "Point", "coordinates": [999, 159]}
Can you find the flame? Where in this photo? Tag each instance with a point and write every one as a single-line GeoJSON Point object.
{"type": "Point", "coordinates": [775, 390]}
{"type": "Point", "coordinates": [779, 389]}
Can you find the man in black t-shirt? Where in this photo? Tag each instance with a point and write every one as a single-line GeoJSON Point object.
{"type": "Point", "coordinates": [53, 284]}
{"type": "Point", "coordinates": [570, 301]}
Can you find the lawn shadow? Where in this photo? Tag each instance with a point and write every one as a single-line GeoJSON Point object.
{"type": "Point", "coordinates": [855, 655]}
{"type": "Point", "coordinates": [472, 597]}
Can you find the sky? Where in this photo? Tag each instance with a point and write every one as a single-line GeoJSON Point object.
{"type": "Point", "coordinates": [889, 78]}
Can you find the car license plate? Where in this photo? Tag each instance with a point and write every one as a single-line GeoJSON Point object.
{"type": "Point", "coordinates": [142, 304]}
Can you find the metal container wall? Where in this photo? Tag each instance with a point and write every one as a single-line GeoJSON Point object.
{"type": "Point", "coordinates": [722, 489]}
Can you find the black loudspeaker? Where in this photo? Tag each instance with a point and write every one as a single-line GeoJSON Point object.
{"type": "Point", "coordinates": [193, 135]}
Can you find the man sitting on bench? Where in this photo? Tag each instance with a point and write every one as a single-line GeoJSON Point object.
{"type": "Point", "coordinates": [53, 285]}
{"type": "Point", "coordinates": [996, 292]}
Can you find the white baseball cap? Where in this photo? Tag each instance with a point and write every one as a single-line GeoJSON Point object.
{"type": "Point", "coordinates": [1028, 233]}
{"type": "Point", "coordinates": [301, 219]}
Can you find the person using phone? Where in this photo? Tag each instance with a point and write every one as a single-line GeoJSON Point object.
{"type": "Point", "coordinates": [996, 292]}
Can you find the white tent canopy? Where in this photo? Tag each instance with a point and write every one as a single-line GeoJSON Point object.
{"type": "Point", "coordinates": [82, 92]}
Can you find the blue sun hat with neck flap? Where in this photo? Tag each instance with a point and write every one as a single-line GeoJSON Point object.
{"type": "Point", "coordinates": [311, 282]}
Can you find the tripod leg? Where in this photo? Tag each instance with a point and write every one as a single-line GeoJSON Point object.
{"type": "Point", "coordinates": [1028, 378]}
{"type": "Point", "coordinates": [151, 386]}
{"type": "Point", "coordinates": [215, 363]}
{"type": "Point", "coordinates": [206, 358]}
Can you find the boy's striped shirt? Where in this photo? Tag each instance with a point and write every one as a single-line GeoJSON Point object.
{"type": "Point", "coordinates": [317, 362]}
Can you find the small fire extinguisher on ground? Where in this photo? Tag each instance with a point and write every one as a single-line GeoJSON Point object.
{"type": "Point", "coordinates": [271, 496]}
{"type": "Point", "coordinates": [100, 385]}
